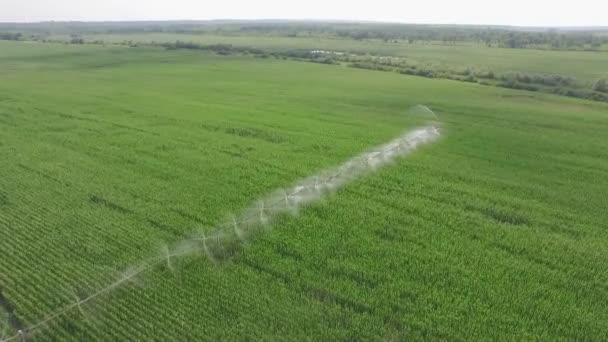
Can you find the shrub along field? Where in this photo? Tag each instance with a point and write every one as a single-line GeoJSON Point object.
{"type": "Point", "coordinates": [496, 230]}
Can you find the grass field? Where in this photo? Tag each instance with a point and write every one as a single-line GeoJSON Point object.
{"type": "Point", "coordinates": [583, 65]}
{"type": "Point", "coordinates": [496, 231]}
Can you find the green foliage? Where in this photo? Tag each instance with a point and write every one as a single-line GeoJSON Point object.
{"type": "Point", "coordinates": [76, 40]}
{"type": "Point", "coordinates": [221, 49]}
{"type": "Point", "coordinates": [10, 36]}
{"type": "Point", "coordinates": [583, 94]}
{"type": "Point", "coordinates": [419, 72]}
{"type": "Point", "coordinates": [514, 84]}
{"type": "Point", "coordinates": [601, 85]}
{"type": "Point", "coordinates": [485, 74]}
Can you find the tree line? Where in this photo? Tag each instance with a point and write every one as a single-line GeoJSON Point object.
{"type": "Point", "coordinates": [494, 36]}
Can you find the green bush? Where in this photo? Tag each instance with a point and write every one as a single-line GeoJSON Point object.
{"type": "Point", "coordinates": [10, 36]}
{"type": "Point", "coordinates": [485, 74]}
{"type": "Point", "coordinates": [513, 84]}
{"type": "Point", "coordinates": [601, 85]}
{"type": "Point", "coordinates": [323, 60]}
{"type": "Point", "coordinates": [582, 93]}
{"type": "Point", "coordinates": [547, 80]}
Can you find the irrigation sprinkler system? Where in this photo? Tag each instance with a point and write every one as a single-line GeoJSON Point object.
{"type": "Point", "coordinates": [222, 242]}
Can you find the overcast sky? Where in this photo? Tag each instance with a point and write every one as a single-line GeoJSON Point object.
{"type": "Point", "coordinates": [497, 12]}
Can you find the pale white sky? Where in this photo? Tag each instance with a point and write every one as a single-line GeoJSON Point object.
{"type": "Point", "coordinates": [497, 12]}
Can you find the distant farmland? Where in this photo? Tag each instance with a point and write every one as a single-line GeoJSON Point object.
{"type": "Point", "coordinates": [583, 65]}
{"type": "Point", "coordinates": [496, 230]}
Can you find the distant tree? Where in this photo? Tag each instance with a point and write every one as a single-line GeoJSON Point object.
{"type": "Point", "coordinates": [11, 36]}
{"type": "Point", "coordinates": [76, 40]}
{"type": "Point", "coordinates": [601, 85]}
{"type": "Point", "coordinates": [361, 35]}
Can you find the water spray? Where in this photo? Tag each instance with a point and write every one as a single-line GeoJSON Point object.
{"type": "Point", "coordinates": [224, 239]}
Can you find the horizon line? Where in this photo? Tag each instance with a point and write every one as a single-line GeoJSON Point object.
{"type": "Point", "coordinates": [310, 20]}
